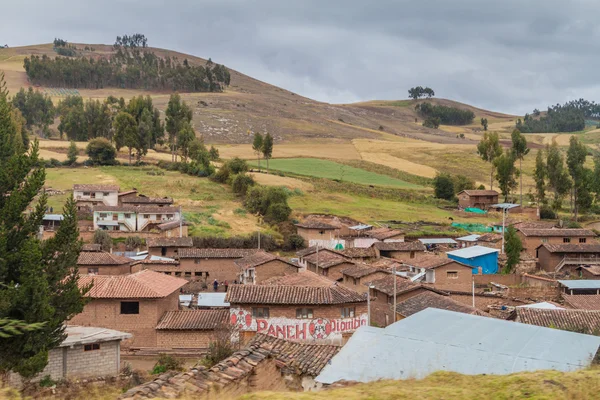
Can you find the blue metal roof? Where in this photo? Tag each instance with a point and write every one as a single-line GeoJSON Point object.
{"type": "Point", "coordinates": [434, 340]}
{"type": "Point", "coordinates": [471, 252]}
{"type": "Point", "coordinates": [437, 241]}
{"type": "Point", "coordinates": [581, 284]}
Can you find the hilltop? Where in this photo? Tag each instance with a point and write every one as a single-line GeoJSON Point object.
{"type": "Point", "coordinates": [249, 104]}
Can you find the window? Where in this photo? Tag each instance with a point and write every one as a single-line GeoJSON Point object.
{"type": "Point", "coordinates": [355, 281]}
{"type": "Point", "coordinates": [544, 240]}
{"type": "Point", "coordinates": [188, 274]}
{"type": "Point", "coordinates": [127, 215]}
{"type": "Point", "coordinates": [347, 312]}
{"type": "Point", "coordinates": [90, 347]}
{"type": "Point", "coordinates": [304, 313]}
{"type": "Point", "coordinates": [115, 217]}
{"type": "Point", "coordinates": [582, 240]}
{"type": "Point", "coordinates": [452, 274]}
{"type": "Point", "coordinates": [177, 273]}
{"type": "Point", "coordinates": [86, 193]}
{"type": "Point", "coordinates": [321, 232]}
{"type": "Point", "coordinates": [324, 272]}
{"type": "Point", "coordinates": [93, 195]}
{"type": "Point", "coordinates": [260, 312]}
{"type": "Point", "coordinates": [102, 215]}
{"type": "Point", "coordinates": [158, 217]}
{"type": "Point", "coordinates": [105, 194]}
{"type": "Point", "coordinates": [130, 307]}
{"type": "Point", "coordinates": [197, 273]}
{"type": "Point", "coordinates": [390, 299]}
{"type": "Point", "coordinates": [197, 261]}
{"type": "Point", "coordinates": [146, 216]}
{"type": "Point", "coordinates": [566, 240]}
{"type": "Point", "coordinates": [93, 271]}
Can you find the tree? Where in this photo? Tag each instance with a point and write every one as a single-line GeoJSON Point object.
{"type": "Point", "coordinates": [103, 239]}
{"type": "Point", "coordinates": [72, 119]}
{"type": "Point", "coordinates": [513, 248]}
{"type": "Point", "coordinates": [462, 182]}
{"type": "Point", "coordinates": [257, 146]}
{"type": "Point", "coordinates": [506, 173]}
{"type": "Point", "coordinates": [37, 108]}
{"type": "Point", "coordinates": [484, 123]}
{"type": "Point", "coordinates": [184, 138]}
{"type": "Point", "coordinates": [237, 166]}
{"type": "Point", "coordinates": [488, 149]}
{"type": "Point", "coordinates": [145, 134]}
{"type": "Point", "coordinates": [72, 153]}
{"type": "Point", "coordinates": [101, 152]}
{"type": "Point", "coordinates": [520, 150]}
{"type": "Point", "coordinates": [576, 155]}
{"type": "Point", "coordinates": [539, 175]}
{"type": "Point", "coordinates": [126, 133]}
{"type": "Point", "coordinates": [177, 115]}
{"type": "Point", "coordinates": [213, 153]}
{"type": "Point", "coordinates": [267, 148]}
{"type": "Point", "coordinates": [443, 186]}
{"type": "Point", "coordinates": [558, 176]}
{"type": "Point", "coordinates": [98, 117]}
{"type": "Point", "coordinates": [431, 122]}
{"type": "Point", "coordinates": [241, 183]}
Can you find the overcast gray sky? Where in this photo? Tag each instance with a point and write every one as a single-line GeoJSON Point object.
{"type": "Point", "coordinates": [505, 55]}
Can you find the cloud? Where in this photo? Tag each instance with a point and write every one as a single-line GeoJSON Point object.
{"type": "Point", "coordinates": [509, 55]}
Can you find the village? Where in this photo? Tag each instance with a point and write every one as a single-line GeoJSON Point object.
{"type": "Point", "coordinates": [307, 320]}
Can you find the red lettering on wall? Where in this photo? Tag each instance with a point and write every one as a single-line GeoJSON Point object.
{"type": "Point", "coordinates": [280, 331]}
{"type": "Point", "coordinates": [261, 325]}
{"type": "Point", "coordinates": [271, 331]}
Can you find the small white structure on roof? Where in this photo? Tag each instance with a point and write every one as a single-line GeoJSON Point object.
{"type": "Point", "coordinates": [434, 340]}
{"type": "Point", "coordinates": [543, 305]}
{"type": "Point", "coordinates": [212, 300]}
{"type": "Point", "coordinates": [430, 241]}
{"type": "Point", "coordinates": [185, 300]}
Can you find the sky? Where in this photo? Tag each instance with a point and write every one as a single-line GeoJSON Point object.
{"type": "Point", "coordinates": [505, 55]}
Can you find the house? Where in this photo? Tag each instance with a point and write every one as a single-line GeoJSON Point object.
{"type": "Point", "coordinates": [86, 352]}
{"type": "Point", "coordinates": [441, 272]}
{"type": "Point", "coordinates": [581, 321]}
{"type": "Point", "coordinates": [386, 235]}
{"type": "Point", "coordinates": [164, 265]}
{"type": "Point", "coordinates": [211, 264]}
{"type": "Point", "coordinates": [467, 241]}
{"type": "Point", "coordinates": [440, 340]}
{"type": "Point", "coordinates": [133, 218]}
{"type": "Point", "coordinates": [426, 300]}
{"type": "Point", "coordinates": [381, 293]}
{"type": "Point", "coordinates": [358, 277]}
{"type": "Point", "coordinates": [51, 222]}
{"type": "Point", "coordinates": [477, 257]}
{"type": "Point", "coordinates": [493, 240]}
{"type": "Point", "coordinates": [585, 287]}
{"type": "Point", "coordinates": [132, 198]}
{"type": "Point", "coordinates": [260, 266]}
{"type": "Point", "coordinates": [302, 254]}
{"type": "Point", "coordinates": [265, 363]}
{"type": "Point", "coordinates": [506, 207]}
{"type": "Point", "coordinates": [103, 263]}
{"type": "Point", "coordinates": [190, 329]}
{"type": "Point", "coordinates": [131, 303]}
{"type": "Point", "coordinates": [361, 254]}
{"type": "Point", "coordinates": [317, 231]}
{"type": "Point", "coordinates": [582, 302]}
{"type": "Point", "coordinates": [327, 263]}
{"type": "Point", "coordinates": [398, 250]}
{"type": "Point", "coordinates": [88, 196]}
{"type": "Point", "coordinates": [477, 198]}
{"type": "Point", "coordinates": [176, 228]}
{"type": "Point", "coordinates": [300, 307]}
{"type": "Point", "coordinates": [433, 244]}
{"type": "Point", "coordinates": [533, 237]}
{"type": "Point", "coordinates": [582, 259]}
{"type": "Point", "coordinates": [168, 247]}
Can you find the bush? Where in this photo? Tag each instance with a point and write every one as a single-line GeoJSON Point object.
{"type": "Point", "coordinates": [222, 175]}
{"type": "Point", "coordinates": [573, 225]}
{"type": "Point", "coordinates": [445, 115]}
{"type": "Point", "coordinates": [72, 153]}
{"type": "Point", "coordinates": [277, 212]}
{"type": "Point", "coordinates": [133, 242]}
{"type": "Point", "coordinates": [241, 183]}
{"type": "Point", "coordinates": [293, 242]}
{"type": "Point", "coordinates": [267, 242]}
{"type": "Point", "coordinates": [47, 381]}
{"type": "Point", "coordinates": [221, 346]}
{"type": "Point", "coordinates": [166, 363]}
{"type": "Point", "coordinates": [237, 165]}
{"type": "Point", "coordinates": [213, 153]}
{"type": "Point", "coordinates": [101, 152]}
{"type": "Point", "coordinates": [431, 122]}
{"type": "Point", "coordinates": [103, 239]}
{"type": "Point", "coordinates": [443, 186]}
{"type": "Point", "coordinates": [547, 213]}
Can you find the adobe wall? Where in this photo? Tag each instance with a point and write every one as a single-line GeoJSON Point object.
{"type": "Point", "coordinates": [313, 234]}
{"type": "Point", "coordinates": [272, 269]}
{"type": "Point", "coordinates": [535, 293]}
{"type": "Point", "coordinates": [183, 339]}
{"type": "Point", "coordinates": [381, 310]}
{"type": "Point", "coordinates": [464, 281]}
{"type": "Point", "coordinates": [221, 269]}
{"type": "Point", "coordinates": [503, 279]}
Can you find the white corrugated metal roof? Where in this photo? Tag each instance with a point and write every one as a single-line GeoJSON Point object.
{"type": "Point", "coordinates": [437, 241]}
{"type": "Point", "coordinates": [53, 217]}
{"type": "Point", "coordinates": [185, 299]}
{"type": "Point", "coordinates": [434, 340]}
{"type": "Point", "coordinates": [506, 206]}
{"type": "Point", "coordinates": [581, 284]}
{"type": "Point", "coordinates": [77, 335]}
{"type": "Point", "coordinates": [212, 300]}
{"type": "Point", "coordinates": [473, 251]}
{"type": "Point", "coordinates": [361, 227]}
{"type": "Point", "coordinates": [543, 305]}
{"type": "Point", "coordinates": [469, 238]}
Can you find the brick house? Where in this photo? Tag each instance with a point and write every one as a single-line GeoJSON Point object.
{"type": "Point", "coordinates": [163, 265]}
{"type": "Point", "coordinates": [382, 297]}
{"type": "Point", "coordinates": [442, 272]}
{"type": "Point", "coordinates": [477, 198]}
{"type": "Point", "coordinates": [211, 264]}
{"type": "Point", "coordinates": [88, 196]}
{"type": "Point", "coordinates": [85, 352]}
{"type": "Point", "coordinates": [398, 250]}
{"type": "Point", "coordinates": [358, 277]}
{"type": "Point", "coordinates": [189, 329]}
{"type": "Point", "coordinates": [130, 303]}
{"type": "Point", "coordinates": [173, 229]}
{"type": "Point", "coordinates": [532, 237]}
{"type": "Point", "coordinates": [329, 264]}
{"type": "Point", "coordinates": [302, 254]}
{"type": "Point", "coordinates": [359, 254]}
{"type": "Point", "coordinates": [261, 266]}
{"type": "Point", "coordinates": [425, 300]}
{"type": "Point", "coordinates": [315, 230]}
{"type": "Point", "coordinates": [103, 263]}
{"type": "Point", "coordinates": [168, 246]}
{"type": "Point", "coordinates": [574, 257]}
{"type": "Point", "coordinates": [301, 307]}
{"type": "Point", "coordinates": [386, 235]}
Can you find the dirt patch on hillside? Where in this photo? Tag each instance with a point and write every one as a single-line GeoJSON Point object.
{"type": "Point", "coordinates": [275, 180]}
{"type": "Point", "coordinates": [400, 164]}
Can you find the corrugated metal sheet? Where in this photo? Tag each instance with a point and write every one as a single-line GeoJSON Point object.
{"type": "Point", "coordinates": [53, 217]}
{"type": "Point", "coordinates": [543, 305]}
{"type": "Point", "coordinates": [212, 300]}
{"type": "Point", "coordinates": [469, 238]}
{"type": "Point", "coordinates": [506, 206]}
{"type": "Point", "coordinates": [581, 284]}
{"type": "Point", "coordinates": [473, 251]}
{"type": "Point", "coordinates": [435, 340]}
{"type": "Point", "coordinates": [361, 227]}
{"type": "Point", "coordinates": [438, 241]}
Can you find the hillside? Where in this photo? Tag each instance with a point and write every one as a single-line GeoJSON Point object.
{"type": "Point", "coordinates": [249, 104]}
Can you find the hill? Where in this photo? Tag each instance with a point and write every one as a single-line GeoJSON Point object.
{"type": "Point", "coordinates": [249, 104]}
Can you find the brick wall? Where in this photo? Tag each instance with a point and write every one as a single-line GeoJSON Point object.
{"type": "Point", "coordinates": [381, 309]}
{"type": "Point", "coordinates": [221, 269]}
{"type": "Point", "coordinates": [539, 293]}
{"type": "Point", "coordinates": [530, 243]}
{"type": "Point", "coordinates": [333, 273]}
{"type": "Point", "coordinates": [503, 279]}
{"type": "Point", "coordinates": [106, 270]}
{"type": "Point", "coordinates": [314, 234]}
{"type": "Point", "coordinates": [361, 283]}
{"type": "Point", "coordinates": [170, 251]}
{"type": "Point", "coordinates": [183, 339]}
{"type": "Point", "coordinates": [272, 269]}
{"type": "Point", "coordinates": [319, 311]}
{"type": "Point", "coordinates": [463, 280]}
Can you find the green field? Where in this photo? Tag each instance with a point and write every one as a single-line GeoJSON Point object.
{"type": "Point", "coordinates": [331, 170]}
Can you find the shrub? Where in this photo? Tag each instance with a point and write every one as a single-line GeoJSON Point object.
{"type": "Point", "coordinates": [133, 242]}
{"type": "Point", "coordinates": [101, 152]}
{"type": "Point", "coordinates": [166, 363]}
{"type": "Point", "coordinates": [443, 186]}
{"type": "Point", "coordinates": [293, 242]}
{"type": "Point", "coordinates": [237, 165]}
{"type": "Point", "coordinates": [221, 345]}
{"type": "Point", "coordinates": [277, 212]}
{"type": "Point", "coordinates": [573, 225]}
{"type": "Point", "coordinates": [432, 122]}
{"type": "Point", "coordinates": [213, 153]}
{"type": "Point", "coordinates": [72, 153]}
{"type": "Point", "coordinates": [547, 213]}
{"type": "Point", "coordinates": [270, 202]}
{"type": "Point", "coordinates": [241, 183]}
{"type": "Point", "coordinates": [47, 381]}
{"type": "Point", "coordinates": [240, 211]}
{"type": "Point", "coordinates": [103, 239]}
{"type": "Point", "coordinates": [222, 174]}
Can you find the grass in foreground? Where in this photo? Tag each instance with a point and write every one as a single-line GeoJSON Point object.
{"type": "Point", "coordinates": [331, 170]}
{"type": "Point", "coordinates": [541, 385]}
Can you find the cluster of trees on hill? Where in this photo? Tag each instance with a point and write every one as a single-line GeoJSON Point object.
{"type": "Point", "coordinates": [447, 186]}
{"type": "Point", "coordinates": [569, 117]}
{"type": "Point", "coordinates": [135, 40]}
{"type": "Point", "coordinates": [130, 67]}
{"type": "Point", "coordinates": [36, 108]}
{"type": "Point", "coordinates": [63, 48]}
{"type": "Point", "coordinates": [445, 115]}
{"type": "Point", "coordinates": [419, 91]}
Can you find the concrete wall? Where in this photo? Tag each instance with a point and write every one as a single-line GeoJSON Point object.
{"type": "Point", "coordinates": [126, 220]}
{"type": "Point", "coordinates": [143, 219]}
{"type": "Point", "coordinates": [111, 200]}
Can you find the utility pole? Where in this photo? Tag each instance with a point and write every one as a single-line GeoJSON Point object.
{"type": "Point", "coordinates": [473, 288]}
{"type": "Point", "coordinates": [394, 276]}
{"type": "Point", "coordinates": [317, 266]}
{"type": "Point", "coordinates": [180, 222]}
{"type": "Point", "coordinates": [369, 305]}
{"type": "Point", "coordinates": [503, 228]}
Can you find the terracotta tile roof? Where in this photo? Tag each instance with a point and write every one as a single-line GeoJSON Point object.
{"type": "Point", "coordinates": [127, 192]}
{"type": "Point", "coordinates": [215, 253]}
{"type": "Point", "coordinates": [479, 192]}
{"type": "Point", "coordinates": [91, 247]}
{"type": "Point", "coordinates": [359, 252]}
{"type": "Point", "coordinates": [316, 225]}
{"type": "Point", "coordinates": [582, 321]}
{"type": "Point", "coordinates": [555, 232]}
{"type": "Point", "coordinates": [582, 302]}
{"type": "Point", "coordinates": [171, 225]}
{"type": "Point", "coordinates": [400, 246]}
{"type": "Point", "coordinates": [313, 249]}
{"type": "Point", "coordinates": [101, 258]}
{"type": "Point", "coordinates": [592, 269]}
{"type": "Point", "coordinates": [362, 270]}
{"type": "Point", "coordinates": [430, 261]}
{"type": "Point", "coordinates": [303, 278]}
{"type": "Point", "coordinates": [147, 200]}
{"type": "Point", "coordinates": [291, 358]}
{"type": "Point", "coordinates": [138, 209]}
{"type": "Point", "coordinates": [326, 259]}
{"type": "Point", "coordinates": [145, 284]}
{"type": "Point", "coordinates": [403, 285]}
{"type": "Point", "coordinates": [170, 242]}
{"type": "Point", "coordinates": [383, 233]}
{"type": "Point", "coordinates": [283, 294]}
{"type": "Point", "coordinates": [259, 258]}
{"type": "Point", "coordinates": [425, 300]}
{"type": "Point", "coordinates": [490, 238]}
{"type": "Point", "coordinates": [572, 247]}
{"type": "Point", "coordinates": [386, 263]}
{"type": "Point", "coordinates": [99, 188]}
{"type": "Point", "coordinates": [193, 319]}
